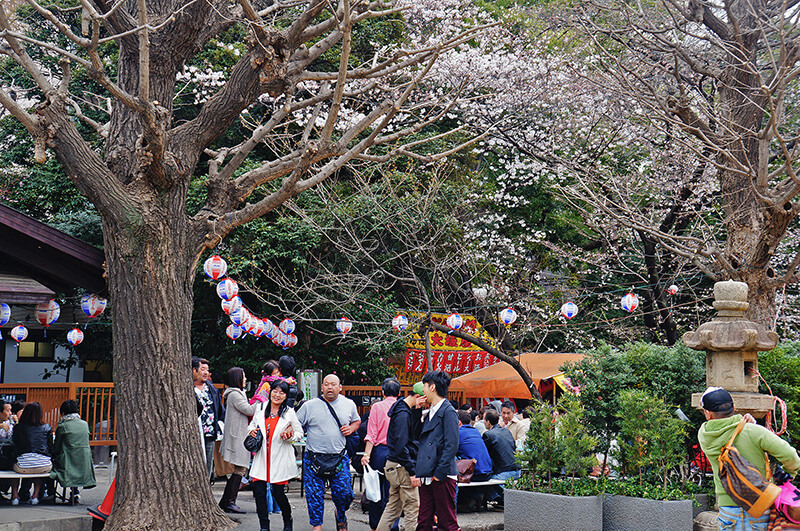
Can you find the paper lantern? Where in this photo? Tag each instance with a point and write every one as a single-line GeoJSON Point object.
{"type": "Point", "coordinates": [508, 316]}
{"type": "Point", "coordinates": [287, 326]}
{"type": "Point", "coordinates": [279, 338]}
{"type": "Point", "coordinates": [47, 313]}
{"type": "Point", "coordinates": [19, 333]}
{"type": "Point", "coordinates": [630, 302]}
{"type": "Point", "coordinates": [239, 316]}
{"type": "Point", "coordinates": [569, 310]}
{"type": "Point", "coordinates": [291, 340]}
{"type": "Point", "coordinates": [227, 289]}
{"type": "Point", "coordinates": [344, 325]}
{"type": "Point", "coordinates": [234, 332]}
{"type": "Point", "coordinates": [5, 315]}
{"type": "Point", "coordinates": [258, 327]}
{"type": "Point", "coordinates": [232, 305]}
{"type": "Point", "coordinates": [215, 267]}
{"type": "Point", "coordinates": [270, 329]}
{"type": "Point", "coordinates": [92, 305]}
{"type": "Point", "coordinates": [400, 322]}
{"type": "Point", "coordinates": [672, 290]}
{"type": "Point", "coordinates": [249, 322]}
{"type": "Point", "coordinates": [75, 337]}
{"type": "Point", "coordinates": [455, 321]}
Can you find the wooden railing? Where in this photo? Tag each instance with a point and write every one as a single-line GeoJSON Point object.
{"type": "Point", "coordinates": [365, 395]}
{"type": "Point", "coordinates": [95, 402]}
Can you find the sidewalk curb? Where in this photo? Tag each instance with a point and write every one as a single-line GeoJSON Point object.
{"type": "Point", "coordinates": [71, 523]}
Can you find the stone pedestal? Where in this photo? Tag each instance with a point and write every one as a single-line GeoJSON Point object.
{"type": "Point", "coordinates": [754, 403]}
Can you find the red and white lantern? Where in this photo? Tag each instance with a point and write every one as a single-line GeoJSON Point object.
{"type": "Point", "coordinates": [92, 305]}
{"type": "Point", "coordinates": [508, 316]}
{"type": "Point", "coordinates": [287, 326]}
{"type": "Point", "coordinates": [19, 333]}
{"type": "Point", "coordinates": [344, 326]}
{"type": "Point", "coordinates": [630, 302]}
{"type": "Point", "coordinates": [569, 310]}
{"type": "Point", "coordinates": [227, 289]}
{"type": "Point", "coordinates": [400, 322]}
{"type": "Point", "coordinates": [234, 332]}
{"type": "Point", "coordinates": [454, 321]}
{"type": "Point", "coordinates": [75, 337]}
{"type": "Point", "coordinates": [215, 267]}
{"type": "Point", "coordinates": [47, 313]}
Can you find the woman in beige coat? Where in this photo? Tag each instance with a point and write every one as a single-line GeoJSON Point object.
{"type": "Point", "coordinates": [237, 417]}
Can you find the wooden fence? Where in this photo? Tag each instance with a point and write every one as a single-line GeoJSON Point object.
{"type": "Point", "coordinates": [97, 404]}
{"type": "Point", "coordinates": [95, 400]}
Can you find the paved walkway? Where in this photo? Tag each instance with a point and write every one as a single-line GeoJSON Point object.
{"type": "Point", "coordinates": [67, 518]}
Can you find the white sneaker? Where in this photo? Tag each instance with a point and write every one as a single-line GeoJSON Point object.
{"type": "Point", "coordinates": [34, 501]}
{"type": "Point", "coordinates": [15, 501]}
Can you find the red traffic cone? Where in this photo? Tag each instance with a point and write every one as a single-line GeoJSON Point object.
{"type": "Point", "coordinates": [102, 511]}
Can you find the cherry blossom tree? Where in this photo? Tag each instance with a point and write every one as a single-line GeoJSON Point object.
{"type": "Point", "coordinates": [308, 103]}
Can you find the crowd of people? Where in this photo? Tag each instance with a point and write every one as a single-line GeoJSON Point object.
{"type": "Point", "coordinates": [413, 441]}
{"type": "Point", "coordinates": [29, 446]}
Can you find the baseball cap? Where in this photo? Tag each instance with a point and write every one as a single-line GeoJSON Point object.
{"type": "Point", "coordinates": [716, 399]}
{"type": "Point", "coordinates": [418, 389]}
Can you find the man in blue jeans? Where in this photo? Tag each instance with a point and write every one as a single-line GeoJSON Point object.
{"type": "Point", "coordinates": [751, 443]}
{"type": "Point", "coordinates": [501, 446]}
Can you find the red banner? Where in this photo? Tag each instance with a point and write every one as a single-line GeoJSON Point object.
{"type": "Point", "coordinates": [449, 361]}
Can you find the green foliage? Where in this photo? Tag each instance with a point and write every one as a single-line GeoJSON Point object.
{"type": "Point", "coordinates": [780, 369]}
{"type": "Point", "coordinates": [621, 487]}
{"type": "Point", "coordinates": [672, 373]}
{"type": "Point", "coordinates": [557, 440]}
{"type": "Point", "coordinates": [650, 434]}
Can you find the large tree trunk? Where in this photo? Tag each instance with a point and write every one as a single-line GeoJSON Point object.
{"type": "Point", "coordinates": [160, 451]}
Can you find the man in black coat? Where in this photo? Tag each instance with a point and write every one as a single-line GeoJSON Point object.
{"type": "Point", "coordinates": [501, 446]}
{"type": "Point", "coordinates": [209, 409]}
{"type": "Point", "coordinates": [436, 461]}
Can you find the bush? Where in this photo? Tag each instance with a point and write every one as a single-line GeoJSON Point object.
{"type": "Point", "coordinates": [780, 368]}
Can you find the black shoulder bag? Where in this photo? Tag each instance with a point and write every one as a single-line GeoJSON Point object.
{"type": "Point", "coordinates": [350, 441]}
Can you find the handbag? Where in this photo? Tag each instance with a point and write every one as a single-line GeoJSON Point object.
{"type": "Point", "coordinates": [466, 468]}
{"type": "Point", "coordinates": [253, 443]}
{"type": "Point", "coordinates": [350, 441]}
{"type": "Point", "coordinates": [787, 504]}
{"type": "Point", "coordinates": [742, 480]}
{"type": "Point", "coordinates": [372, 484]}
{"type": "Point", "coordinates": [325, 466]}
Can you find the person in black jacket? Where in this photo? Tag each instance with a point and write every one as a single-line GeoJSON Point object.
{"type": "Point", "coordinates": [436, 461]}
{"type": "Point", "coordinates": [33, 444]}
{"type": "Point", "coordinates": [501, 446]}
{"type": "Point", "coordinates": [212, 412]}
{"type": "Point", "coordinates": [401, 439]}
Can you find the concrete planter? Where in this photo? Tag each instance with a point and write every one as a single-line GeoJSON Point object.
{"type": "Point", "coordinates": [625, 513]}
{"type": "Point", "coordinates": [534, 511]}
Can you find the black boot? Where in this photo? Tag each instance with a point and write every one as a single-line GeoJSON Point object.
{"type": "Point", "coordinates": [227, 503]}
{"type": "Point", "coordinates": [287, 523]}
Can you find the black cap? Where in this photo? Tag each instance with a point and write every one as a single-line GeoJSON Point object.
{"type": "Point", "coordinates": [716, 399]}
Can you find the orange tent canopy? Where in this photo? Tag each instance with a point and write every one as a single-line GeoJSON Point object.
{"type": "Point", "coordinates": [501, 380]}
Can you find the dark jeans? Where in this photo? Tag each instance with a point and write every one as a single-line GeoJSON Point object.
{"type": "Point", "coordinates": [377, 460]}
{"type": "Point", "coordinates": [278, 494]}
{"type": "Point", "coordinates": [439, 499]}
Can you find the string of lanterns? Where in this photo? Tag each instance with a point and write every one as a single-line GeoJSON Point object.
{"type": "Point", "coordinates": [48, 313]}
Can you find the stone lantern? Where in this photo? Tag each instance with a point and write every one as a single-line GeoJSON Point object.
{"type": "Point", "coordinates": [732, 344]}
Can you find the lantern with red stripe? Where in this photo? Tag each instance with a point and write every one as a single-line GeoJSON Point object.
{"type": "Point", "coordinates": [227, 289]}
{"type": "Point", "coordinates": [270, 329]}
{"type": "Point", "coordinates": [278, 338]}
{"type": "Point", "coordinates": [508, 316]}
{"type": "Point", "coordinates": [569, 310]}
{"type": "Point", "coordinates": [630, 302]}
{"type": "Point", "coordinates": [75, 337]}
{"type": "Point", "coordinates": [19, 333]}
{"type": "Point", "coordinates": [47, 313]}
{"type": "Point", "coordinates": [454, 321]}
{"type": "Point", "coordinates": [344, 326]}
{"type": "Point", "coordinates": [249, 322]}
{"type": "Point", "coordinates": [291, 340]}
{"type": "Point", "coordinates": [5, 314]}
{"type": "Point", "coordinates": [215, 267]}
{"type": "Point", "coordinates": [232, 305]}
{"type": "Point", "coordinates": [234, 332]}
{"type": "Point", "coordinates": [672, 290]}
{"type": "Point", "coordinates": [400, 322]}
{"type": "Point", "coordinates": [258, 327]}
{"type": "Point", "coordinates": [287, 326]}
{"type": "Point", "coordinates": [92, 305]}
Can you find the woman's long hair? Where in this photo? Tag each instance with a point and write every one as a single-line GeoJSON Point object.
{"type": "Point", "coordinates": [32, 414]}
{"type": "Point", "coordinates": [235, 377]}
{"type": "Point", "coordinates": [285, 387]}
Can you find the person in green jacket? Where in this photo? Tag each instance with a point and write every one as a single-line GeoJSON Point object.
{"type": "Point", "coordinates": [72, 456]}
{"type": "Point", "coordinates": [752, 442]}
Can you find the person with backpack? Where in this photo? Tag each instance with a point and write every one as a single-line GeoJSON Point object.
{"type": "Point", "coordinates": [328, 421]}
{"type": "Point", "coordinates": [752, 443]}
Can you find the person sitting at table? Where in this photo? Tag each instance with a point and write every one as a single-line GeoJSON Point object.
{"type": "Point", "coordinates": [33, 441]}
{"type": "Point", "coordinates": [471, 446]}
{"type": "Point", "coordinates": [501, 446]}
{"type": "Point", "coordinates": [72, 456]}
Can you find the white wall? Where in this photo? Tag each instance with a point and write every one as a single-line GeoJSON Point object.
{"type": "Point", "coordinates": [31, 371]}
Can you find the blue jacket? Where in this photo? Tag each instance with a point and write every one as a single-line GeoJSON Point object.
{"type": "Point", "coordinates": [471, 446]}
{"type": "Point", "coordinates": [401, 439]}
{"type": "Point", "coordinates": [438, 444]}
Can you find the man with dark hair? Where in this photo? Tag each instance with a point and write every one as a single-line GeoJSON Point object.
{"type": "Point", "coordinates": [466, 407]}
{"type": "Point", "coordinates": [287, 366]}
{"type": "Point", "coordinates": [5, 422]}
{"type": "Point", "coordinates": [375, 449]}
{"type": "Point", "coordinates": [752, 442]}
{"type": "Point", "coordinates": [501, 447]}
{"type": "Point", "coordinates": [510, 421]}
{"type": "Point", "coordinates": [436, 462]}
{"type": "Point", "coordinates": [471, 446]}
{"type": "Point", "coordinates": [210, 407]}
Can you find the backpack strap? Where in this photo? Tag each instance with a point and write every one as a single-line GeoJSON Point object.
{"type": "Point", "coordinates": [736, 433]}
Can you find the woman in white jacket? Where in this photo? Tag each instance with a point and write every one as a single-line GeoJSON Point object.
{"type": "Point", "coordinates": [275, 461]}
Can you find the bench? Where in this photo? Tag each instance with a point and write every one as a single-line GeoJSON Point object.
{"type": "Point", "coordinates": [487, 483]}
{"type": "Point", "coordinates": [10, 474]}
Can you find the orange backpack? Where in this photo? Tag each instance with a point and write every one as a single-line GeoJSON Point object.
{"type": "Point", "coordinates": [743, 482]}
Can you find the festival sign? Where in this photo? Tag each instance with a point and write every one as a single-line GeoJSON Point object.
{"type": "Point", "coordinates": [450, 354]}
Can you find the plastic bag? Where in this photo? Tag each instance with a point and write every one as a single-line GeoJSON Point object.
{"type": "Point", "coordinates": [372, 484]}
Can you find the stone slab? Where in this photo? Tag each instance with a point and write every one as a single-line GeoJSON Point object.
{"type": "Point", "coordinates": [535, 511]}
{"type": "Point", "coordinates": [626, 513]}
